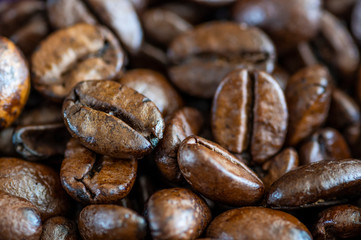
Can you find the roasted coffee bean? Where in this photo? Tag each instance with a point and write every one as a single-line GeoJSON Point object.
{"type": "Point", "coordinates": [190, 12]}
{"type": "Point", "coordinates": [345, 115]}
{"type": "Point", "coordinates": [14, 82]}
{"type": "Point", "coordinates": [279, 165]}
{"type": "Point", "coordinates": [336, 47]}
{"type": "Point", "coordinates": [244, 107]}
{"type": "Point", "coordinates": [339, 7]}
{"type": "Point", "coordinates": [19, 218]}
{"type": "Point", "coordinates": [308, 95]}
{"type": "Point", "coordinates": [254, 223]}
{"type": "Point", "coordinates": [203, 56]}
{"type": "Point", "coordinates": [355, 20]}
{"type": "Point", "coordinates": [288, 22]}
{"type": "Point", "coordinates": [214, 2]}
{"type": "Point", "coordinates": [39, 142]}
{"type": "Point", "coordinates": [176, 213]}
{"type": "Point", "coordinates": [78, 53]}
{"type": "Point", "coordinates": [338, 222]}
{"type": "Point", "coordinates": [45, 113]}
{"type": "Point", "coordinates": [24, 22]}
{"type": "Point", "coordinates": [108, 222]}
{"type": "Point", "coordinates": [316, 183]}
{"type": "Point", "coordinates": [120, 16]}
{"type": "Point", "coordinates": [154, 86]}
{"type": "Point", "coordinates": [185, 122]}
{"type": "Point", "coordinates": [217, 174]}
{"type": "Point", "coordinates": [112, 119]}
{"type": "Point", "coordinates": [59, 228]}
{"type": "Point", "coordinates": [90, 178]}
{"type": "Point", "coordinates": [325, 144]}
{"type": "Point", "coordinates": [36, 183]}
{"type": "Point", "coordinates": [162, 25]}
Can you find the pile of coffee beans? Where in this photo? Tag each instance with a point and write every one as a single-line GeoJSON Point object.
{"type": "Point", "coordinates": [180, 119]}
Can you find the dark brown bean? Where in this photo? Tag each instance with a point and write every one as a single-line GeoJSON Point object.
{"type": "Point", "coordinates": [37, 183]}
{"type": "Point", "coordinates": [203, 56]}
{"type": "Point", "coordinates": [110, 222]}
{"type": "Point", "coordinates": [59, 228]}
{"type": "Point", "coordinates": [185, 122]}
{"type": "Point", "coordinates": [325, 144]}
{"type": "Point", "coordinates": [218, 175]}
{"type": "Point", "coordinates": [78, 53]}
{"type": "Point", "coordinates": [90, 178]}
{"type": "Point", "coordinates": [279, 165]}
{"type": "Point", "coordinates": [338, 222]}
{"type": "Point", "coordinates": [176, 213]}
{"type": "Point", "coordinates": [288, 22]}
{"type": "Point", "coordinates": [19, 219]}
{"type": "Point", "coordinates": [244, 108]}
{"type": "Point", "coordinates": [316, 183]}
{"type": "Point", "coordinates": [308, 95]}
{"type": "Point", "coordinates": [254, 223]}
{"type": "Point", "coordinates": [154, 86]}
{"type": "Point", "coordinates": [39, 142]}
{"type": "Point", "coordinates": [112, 119]}
{"type": "Point", "coordinates": [14, 84]}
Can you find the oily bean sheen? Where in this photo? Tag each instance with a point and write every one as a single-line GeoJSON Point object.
{"type": "Point", "coordinates": [203, 56]}
{"type": "Point", "coordinates": [119, 15]}
{"type": "Point", "coordinates": [308, 95]}
{"type": "Point", "coordinates": [185, 122]}
{"type": "Point", "coordinates": [59, 228]}
{"type": "Point", "coordinates": [288, 22]}
{"type": "Point", "coordinates": [249, 112]}
{"type": "Point", "coordinates": [37, 183]}
{"type": "Point", "coordinates": [217, 174]}
{"type": "Point", "coordinates": [254, 223]}
{"type": "Point", "coordinates": [68, 56]}
{"type": "Point", "coordinates": [154, 86]}
{"type": "Point", "coordinates": [14, 82]}
{"type": "Point", "coordinates": [110, 222]}
{"type": "Point", "coordinates": [19, 219]}
{"type": "Point", "coordinates": [326, 143]}
{"type": "Point", "coordinates": [112, 119]}
{"type": "Point", "coordinates": [316, 183]}
{"type": "Point", "coordinates": [279, 165]}
{"type": "Point", "coordinates": [91, 178]}
{"type": "Point", "coordinates": [342, 221]}
{"type": "Point", "coordinates": [176, 213]}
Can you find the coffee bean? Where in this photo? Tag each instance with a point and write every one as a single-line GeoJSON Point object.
{"type": "Point", "coordinates": [120, 16]}
{"type": "Point", "coordinates": [40, 142]}
{"type": "Point", "coordinates": [163, 25]}
{"type": "Point", "coordinates": [59, 228]}
{"type": "Point", "coordinates": [112, 119]}
{"type": "Point", "coordinates": [288, 22]}
{"type": "Point", "coordinates": [279, 165]}
{"type": "Point", "coordinates": [154, 86]}
{"type": "Point", "coordinates": [90, 178]}
{"type": "Point", "coordinates": [36, 183]}
{"type": "Point", "coordinates": [214, 2]}
{"type": "Point", "coordinates": [336, 47]}
{"type": "Point", "coordinates": [338, 222]}
{"type": "Point", "coordinates": [14, 84]}
{"type": "Point", "coordinates": [327, 144]}
{"type": "Point", "coordinates": [19, 218]}
{"type": "Point", "coordinates": [74, 54]}
{"type": "Point", "coordinates": [108, 222]}
{"type": "Point", "coordinates": [308, 95]}
{"type": "Point", "coordinates": [215, 173]}
{"type": "Point", "coordinates": [281, 76]}
{"type": "Point", "coordinates": [249, 112]}
{"type": "Point", "coordinates": [203, 56]}
{"type": "Point", "coordinates": [316, 183]}
{"type": "Point", "coordinates": [339, 7]}
{"type": "Point", "coordinates": [185, 122]}
{"type": "Point", "coordinates": [345, 115]}
{"type": "Point", "coordinates": [176, 213]}
{"type": "Point", "coordinates": [255, 223]}
{"type": "Point", "coordinates": [24, 22]}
